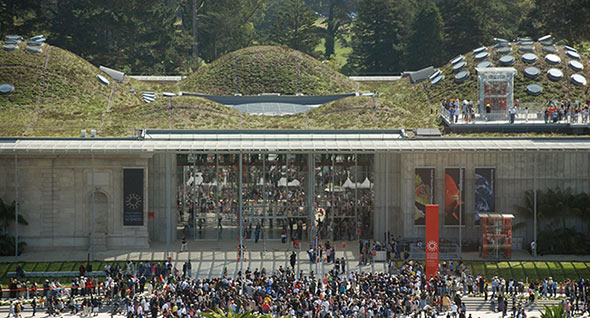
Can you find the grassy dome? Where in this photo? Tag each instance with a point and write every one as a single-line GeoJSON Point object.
{"type": "Point", "coordinates": [267, 69]}
{"type": "Point", "coordinates": [563, 89]}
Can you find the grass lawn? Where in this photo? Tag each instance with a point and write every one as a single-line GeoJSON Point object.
{"type": "Point", "coordinates": [524, 271]}
{"type": "Point", "coordinates": [542, 269]}
{"type": "Point", "coordinates": [504, 270]}
{"type": "Point", "coordinates": [517, 269]}
{"type": "Point", "coordinates": [341, 53]}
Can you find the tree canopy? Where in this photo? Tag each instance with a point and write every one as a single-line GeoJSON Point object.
{"type": "Point", "coordinates": [162, 36]}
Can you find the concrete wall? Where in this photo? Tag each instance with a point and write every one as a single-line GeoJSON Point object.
{"type": "Point", "coordinates": [514, 175]}
{"type": "Point", "coordinates": [55, 193]}
{"type": "Point", "coordinates": [55, 198]}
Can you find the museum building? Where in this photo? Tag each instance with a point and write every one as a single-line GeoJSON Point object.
{"type": "Point", "coordinates": [208, 185]}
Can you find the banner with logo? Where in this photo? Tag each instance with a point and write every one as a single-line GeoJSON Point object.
{"type": "Point", "coordinates": [423, 194]}
{"type": "Point", "coordinates": [454, 196]}
{"type": "Point", "coordinates": [133, 196]}
{"type": "Point", "coordinates": [431, 240]}
{"type": "Point", "coordinates": [484, 191]}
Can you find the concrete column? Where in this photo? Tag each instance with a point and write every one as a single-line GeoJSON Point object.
{"type": "Point", "coordinates": [157, 197]}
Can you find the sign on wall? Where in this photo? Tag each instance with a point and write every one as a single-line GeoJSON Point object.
{"type": "Point", "coordinates": [454, 196]}
{"type": "Point", "coordinates": [423, 194]}
{"type": "Point", "coordinates": [484, 191]}
{"type": "Point", "coordinates": [432, 244]}
{"type": "Point", "coordinates": [133, 196]}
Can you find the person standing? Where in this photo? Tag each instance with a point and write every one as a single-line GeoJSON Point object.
{"type": "Point", "coordinates": [293, 259]}
{"type": "Point", "coordinates": [183, 245]}
{"type": "Point", "coordinates": [257, 233]}
{"type": "Point", "coordinates": [512, 114]}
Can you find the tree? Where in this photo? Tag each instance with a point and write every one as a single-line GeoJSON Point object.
{"type": "Point", "coordinates": [464, 26]}
{"type": "Point", "coordinates": [427, 36]}
{"type": "Point", "coordinates": [553, 311]}
{"type": "Point", "coordinates": [338, 15]}
{"type": "Point", "coordinates": [565, 20]}
{"type": "Point", "coordinates": [379, 36]}
{"type": "Point", "coordinates": [294, 27]}
{"type": "Point", "coordinates": [502, 18]}
{"type": "Point", "coordinates": [7, 217]}
{"type": "Point", "coordinates": [226, 26]}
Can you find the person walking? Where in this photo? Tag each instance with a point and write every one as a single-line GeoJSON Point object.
{"type": "Point", "coordinates": [34, 305]}
{"type": "Point", "coordinates": [17, 309]}
{"type": "Point", "coordinates": [11, 310]}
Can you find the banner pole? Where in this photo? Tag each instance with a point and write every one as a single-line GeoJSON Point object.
{"type": "Point", "coordinates": [460, 211]}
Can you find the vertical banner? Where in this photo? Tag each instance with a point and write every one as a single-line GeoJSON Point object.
{"type": "Point", "coordinates": [133, 196]}
{"type": "Point", "coordinates": [431, 240]}
{"type": "Point", "coordinates": [454, 196]}
{"type": "Point", "coordinates": [484, 191]}
{"type": "Point", "coordinates": [424, 193]}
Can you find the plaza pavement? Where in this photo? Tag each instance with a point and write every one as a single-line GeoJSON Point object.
{"type": "Point", "coordinates": [209, 258]}
{"type": "Point", "coordinates": [483, 312]}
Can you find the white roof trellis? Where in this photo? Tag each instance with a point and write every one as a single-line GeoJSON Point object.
{"type": "Point", "coordinates": [353, 141]}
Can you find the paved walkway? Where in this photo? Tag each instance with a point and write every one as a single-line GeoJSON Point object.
{"type": "Point", "coordinates": [104, 313]}
{"type": "Point", "coordinates": [209, 258]}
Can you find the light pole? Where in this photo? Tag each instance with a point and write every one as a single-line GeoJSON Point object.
{"type": "Point", "coordinates": [534, 250]}
{"type": "Point", "coordinates": [168, 230]}
{"type": "Point", "coordinates": [93, 215]}
{"type": "Point", "coordinates": [386, 198]}
{"type": "Point", "coordinates": [16, 204]}
{"type": "Point", "coordinates": [240, 202]}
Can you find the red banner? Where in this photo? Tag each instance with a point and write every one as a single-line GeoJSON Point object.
{"type": "Point", "coordinates": [431, 240]}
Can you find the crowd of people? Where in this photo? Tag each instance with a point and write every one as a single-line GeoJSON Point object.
{"type": "Point", "coordinates": [553, 112]}
{"type": "Point", "coordinates": [567, 112]}
{"type": "Point", "coordinates": [274, 196]}
{"type": "Point", "coordinates": [145, 289]}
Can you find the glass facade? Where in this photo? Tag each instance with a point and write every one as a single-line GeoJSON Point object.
{"type": "Point", "coordinates": [284, 196]}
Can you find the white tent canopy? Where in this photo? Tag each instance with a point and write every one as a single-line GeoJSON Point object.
{"type": "Point", "coordinates": [283, 182]}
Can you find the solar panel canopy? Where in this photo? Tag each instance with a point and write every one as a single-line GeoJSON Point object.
{"type": "Point", "coordinates": [272, 105]}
